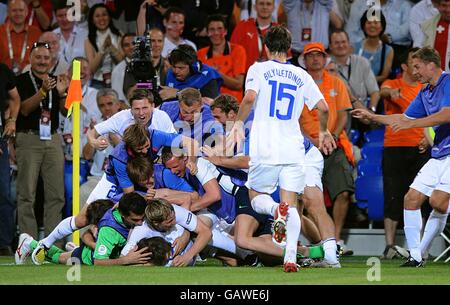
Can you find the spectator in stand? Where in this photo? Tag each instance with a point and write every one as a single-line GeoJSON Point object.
{"type": "Point", "coordinates": [311, 20]}
{"type": "Point", "coordinates": [405, 152]}
{"type": "Point", "coordinates": [118, 73]}
{"type": "Point", "coordinates": [155, 16]}
{"type": "Point", "coordinates": [379, 54]}
{"type": "Point", "coordinates": [436, 31]}
{"type": "Point", "coordinates": [356, 72]}
{"type": "Point", "coordinates": [102, 45]}
{"type": "Point", "coordinates": [337, 172]}
{"type": "Point", "coordinates": [40, 13]}
{"type": "Point", "coordinates": [397, 16]}
{"type": "Point", "coordinates": [228, 58]}
{"type": "Point", "coordinates": [3, 12]}
{"type": "Point", "coordinates": [159, 63]}
{"type": "Point", "coordinates": [344, 7]}
{"type": "Point", "coordinates": [248, 9]}
{"type": "Point", "coordinates": [58, 65]}
{"type": "Point", "coordinates": [396, 32]}
{"type": "Point", "coordinates": [39, 147]}
{"type": "Point", "coordinates": [421, 12]}
{"type": "Point", "coordinates": [71, 37]}
{"type": "Point", "coordinates": [250, 33]}
{"type": "Point", "coordinates": [15, 49]}
{"type": "Point", "coordinates": [9, 99]}
{"type": "Point", "coordinates": [174, 21]}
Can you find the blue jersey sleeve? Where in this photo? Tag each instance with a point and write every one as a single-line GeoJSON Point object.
{"type": "Point", "coordinates": [416, 109]}
{"type": "Point", "coordinates": [120, 170]}
{"type": "Point", "coordinates": [174, 182]}
{"type": "Point", "coordinates": [161, 138]}
{"type": "Point", "coordinates": [445, 101]}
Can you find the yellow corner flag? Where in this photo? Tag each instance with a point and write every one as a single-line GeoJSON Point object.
{"type": "Point", "coordinates": [73, 102]}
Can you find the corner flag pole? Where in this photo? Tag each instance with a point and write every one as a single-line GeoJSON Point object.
{"type": "Point", "coordinates": [73, 102]}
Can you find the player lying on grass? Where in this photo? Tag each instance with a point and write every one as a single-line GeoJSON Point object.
{"type": "Point", "coordinates": [113, 230]}
{"type": "Point", "coordinates": [138, 141]}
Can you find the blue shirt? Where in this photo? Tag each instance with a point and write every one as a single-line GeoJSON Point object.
{"type": "Point", "coordinates": [431, 100]}
{"type": "Point", "coordinates": [116, 172]}
{"type": "Point", "coordinates": [200, 130]}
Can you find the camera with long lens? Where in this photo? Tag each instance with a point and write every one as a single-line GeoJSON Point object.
{"type": "Point", "coordinates": [140, 66]}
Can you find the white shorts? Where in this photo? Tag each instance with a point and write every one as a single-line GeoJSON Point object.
{"type": "Point", "coordinates": [264, 178]}
{"type": "Point", "coordinates": [434, 175]}
{"type": "Point", "coordinates": [103, 190]}
{"type": "Point", "coordinates": [314, 168]}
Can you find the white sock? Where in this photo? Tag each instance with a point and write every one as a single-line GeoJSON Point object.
{"type": "Point", "coordinates": [222, 241]}
{"type": "Point", "coordinates": [293, 227]}
{"type": "Point", "coordinates": [413, 226]}
{"type": "Point", "coordinates": [330, 248]}
{"type": "Point", "coordinates": [264, 204]}
{"type": "Point", "coordinates": [435, 226]}
{"type": "Point", "coordinates": [65, 227]}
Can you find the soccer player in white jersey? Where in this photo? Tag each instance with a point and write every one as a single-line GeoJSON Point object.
{"type": "Point", "coordinates": [430, 108]}
{"type": "Point", "coordinates": [279, 91]}
{"type": "Point", "coordinates": [142, 111]}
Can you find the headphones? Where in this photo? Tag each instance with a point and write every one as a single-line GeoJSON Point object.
{"type": "Point", "coordinates": [188, 52]}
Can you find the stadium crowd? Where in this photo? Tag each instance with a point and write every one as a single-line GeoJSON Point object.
{"type": "Point", "coordinates": [359, 53]}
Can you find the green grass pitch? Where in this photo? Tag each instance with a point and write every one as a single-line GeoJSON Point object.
{"type": "Point", "coordinates": [354, 271]}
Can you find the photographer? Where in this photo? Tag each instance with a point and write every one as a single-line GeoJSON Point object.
{"type": "Point", "coordinates": [187, 71]}
{"type": "Point", "coordinates": [141, 58]}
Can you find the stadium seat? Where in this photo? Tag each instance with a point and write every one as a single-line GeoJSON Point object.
{"type": "Point", "coordinates": [373, 153]}
{"type": "Point", "coordinates": [375, 135]}
{"type": "Point", "coordinates": [354, 136]}
{"type": "Point", "coordinates": [370, 189]}
{"type": "Point", "coordinates": [367, 168]}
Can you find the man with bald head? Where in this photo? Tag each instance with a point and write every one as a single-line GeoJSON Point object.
{"type": "Point", "coordinates": [17, 37]}
{"type": "Point", "coordinates": [39, 149]}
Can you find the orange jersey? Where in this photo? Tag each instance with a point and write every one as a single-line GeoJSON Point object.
{"type": "Point", "coordinates": [336, 95]}
{"type": "Point", "coordinates": [232, 64]}
{"type": "Point", "coordinates": [409, 137]}
{"type": "Point", "coordinates": [17, 42]}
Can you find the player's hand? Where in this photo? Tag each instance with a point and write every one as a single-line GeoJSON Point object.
{"type": "Point", "coordinates": [326, 142]}
{"type": "Point", "coordinates": [136, 256]}
{"type": "Point", "coordinates": [211, 155]}
{"type": "Point", "coordinates": [235, 137]}
{"type": "Point", "coordinates": [362, 114]}
{"type": "Point", "coordinates": [395, 94]}
{"type": "Point", "coordinates": [181, 261]}
{"type": "Point", "coordinates": [400, 122]}
{"type": "Point", "coordinates": [167, 93]}
{"type": "Point", "coordinates": [180, 243]}
{"type": "Point", "coordinates": [151, 193]}
{"type": "Point", "coordinates": [100, 143]}
{"type": "Point", "coordinates": [423, 145]}
{"type": "Point", "coordinates": [192, 166]}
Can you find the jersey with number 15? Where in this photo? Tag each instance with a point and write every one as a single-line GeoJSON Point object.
{"type": "Point", "coordinates": [282, 90]}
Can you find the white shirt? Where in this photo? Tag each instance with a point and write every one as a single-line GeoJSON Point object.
{"type": "Point", "coordinates": [420, 13]}
{"type": "Point", "coordinates": [90, 103]}
{"type": "Point", "coordinates": [208, 171]}
{"type": "Point", "coordinates": [121, 120]}
{"type": "Point", "coordinates": [169, 46]}
{"type": "Point", "coordinates": [184, 220]}
{"type": "Point", "coordinates": [282, 90]}
{"type": "Point", "coordinates": [74, 46]}
{"type": "Point", "coordinates": [117, 77]}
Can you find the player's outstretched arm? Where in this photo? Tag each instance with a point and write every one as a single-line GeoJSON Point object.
{"type": "Point", "coordinates": [438, 118]}
{"type": "Point", "coordinates": [204, 235]}
{"type": "Point", "coordinates": [377, 118]}
{"type": "Point", "coordinates": [212, 195]}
